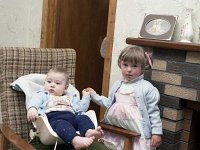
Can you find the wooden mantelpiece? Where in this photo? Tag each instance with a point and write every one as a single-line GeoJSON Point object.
{"type": "Point", "coordinates": [163, 44]}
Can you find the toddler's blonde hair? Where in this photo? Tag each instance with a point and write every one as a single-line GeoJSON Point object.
{"type": "Point", "coordinates": [134, 55]}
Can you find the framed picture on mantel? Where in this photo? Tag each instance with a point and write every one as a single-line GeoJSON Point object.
{"type": "Point", "coordinates": [158, 27]}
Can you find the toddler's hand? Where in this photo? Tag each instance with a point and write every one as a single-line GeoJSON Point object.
{"type": "Point", "coordinates": [156, 140]}
{"type": "Point", "coordinates": [32, 114]}
{"type": "Point", "coordinates": [89, 89]}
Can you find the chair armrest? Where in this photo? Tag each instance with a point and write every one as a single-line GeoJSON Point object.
{"type": "Point", "coordinates": [128, 135]}
{"type": "Point", "coordinates": [118, 130]}
{"type": "Point", "coordinates": [7, 136]}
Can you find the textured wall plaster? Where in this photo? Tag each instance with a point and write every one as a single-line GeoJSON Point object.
{"type": "Point", "coordinates": [20, 24]}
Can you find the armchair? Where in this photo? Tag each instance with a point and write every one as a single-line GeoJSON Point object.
{"type": "Point", "coordinates": [16, 62]}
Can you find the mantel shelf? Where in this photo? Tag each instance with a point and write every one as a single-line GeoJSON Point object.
{"type": "Point", "coordinates": [163, 44]}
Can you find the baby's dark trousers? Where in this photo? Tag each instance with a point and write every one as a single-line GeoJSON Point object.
{"type": "Point", "coordinates": [65, 124]}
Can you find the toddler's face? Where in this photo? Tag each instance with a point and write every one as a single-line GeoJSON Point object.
{"type": "Point", "coordinates": [130, 71]}
{"type": "Point", "coordinates": [55, 83]}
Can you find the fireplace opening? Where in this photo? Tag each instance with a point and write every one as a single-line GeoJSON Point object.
{"type": "Point", "coordinates": [191, 126]}
{"type": "Point", "coordinates": [198, 130]}
{"type": "Point", "coordinates": [181, 124]}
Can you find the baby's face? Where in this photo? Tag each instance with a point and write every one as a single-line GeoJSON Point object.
{"type": "Point", "coordinates": [55, 83]}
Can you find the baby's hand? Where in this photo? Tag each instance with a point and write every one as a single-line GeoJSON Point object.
{"type": "Point", "coordinates": [85, 92]}
{"type": "Point", "coordinates": [32, 114]}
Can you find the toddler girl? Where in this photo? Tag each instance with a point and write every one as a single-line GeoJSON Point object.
{"type": "Point", "coordinates": [133, 102]}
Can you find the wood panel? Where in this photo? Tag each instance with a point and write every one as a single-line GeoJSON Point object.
{"type": "Point", "coordinates": [82, 25]}
{"type": "Point", "coordinates": [109, 47]}
{"type": "Point", "coordinates": [48, 29]}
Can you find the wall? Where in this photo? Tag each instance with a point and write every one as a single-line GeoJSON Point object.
{"type": "Point", "coordinates": [130, 15]}
{"type": "Point", "coordinates": [20, 24]}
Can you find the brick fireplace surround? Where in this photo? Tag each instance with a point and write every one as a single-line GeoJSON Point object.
{"type": "Point", "coordinates": [176, 74]}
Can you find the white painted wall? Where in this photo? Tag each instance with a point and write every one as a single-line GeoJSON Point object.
{"type": "Point", "coordinates": [130, 15]}
{"type": "Point", "coordinates": [20, 24]}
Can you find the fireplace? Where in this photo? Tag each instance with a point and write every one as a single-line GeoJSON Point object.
{"type": "Point", "coordinates": [176, 74]}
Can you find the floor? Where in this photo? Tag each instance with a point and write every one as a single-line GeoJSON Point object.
{"type": "Point", "coordinates": [94, 146]}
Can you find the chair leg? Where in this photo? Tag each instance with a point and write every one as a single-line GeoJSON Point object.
{"type": "Point", "coordinates": [3, 142]}
{"type": "Point", "coordinates": [128, 143]}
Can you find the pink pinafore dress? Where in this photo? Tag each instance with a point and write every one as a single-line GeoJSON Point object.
{"type": "Point", "coordinates": [125, 113]}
